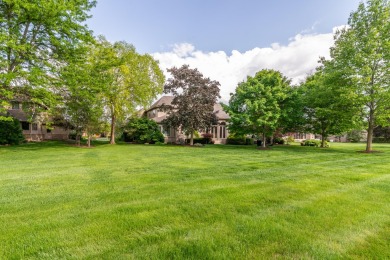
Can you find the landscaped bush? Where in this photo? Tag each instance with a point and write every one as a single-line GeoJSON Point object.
{"type": "Point", "coordinates": [10, 131]}
{"type": "Point", "coordinates": [310, 143]}
{"type": "Point", "coordinates": [354, 136]}
{"type": "Point", "coordinates": [239, 141]}
{"type": "Point", "coordinates": [142, 130]}
{"type": "Point", "coordinates": [316, 143]}
{"type": "Point", "coordinates": [290, 139]}
{"type": "Point", "coordinates": [380, 140]}
{"type": "Point", "coordinates": [278, 140]}
{"type": "Point", "coordinates": [203, 140]}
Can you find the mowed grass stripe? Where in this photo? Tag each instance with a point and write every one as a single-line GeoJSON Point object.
{"type": "Point", "coordinates": [133, 201]}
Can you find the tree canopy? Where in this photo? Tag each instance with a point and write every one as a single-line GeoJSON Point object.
{"type": "Point", "coordinates": [37, 37]}
{"type": "Point", "coordinates": [362, 53]}
{"type": "Point", "coordinates": [255, 107]}
{"type": "Point", "coordinates": [192, 107]}
{"type": "Point", "coordinates": [329, 107]}
{"type": "Point", "coordinates": [128, 79]}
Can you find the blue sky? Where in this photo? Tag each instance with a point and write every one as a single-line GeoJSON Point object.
{"type": "Point", "coordinates": [227, 40]}
{"type": "Point", "coordinates": [213, 25]}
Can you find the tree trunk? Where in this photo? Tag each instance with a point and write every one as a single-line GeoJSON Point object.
{"type": "Point", "coordinates": [323, 138]}
{"type": "Point", "coordinates": [113, 121]}
{"type": "Point", "coordinates": [370, 133]}
{"type": "Point", "coordinates": [264, 141]}
{"type": "Point", "coordinates": [78, 143]}
{"type": "Point", "coordinates": [89, 140]}
{"type": "Point", "coordinates": [323, 141]}
{"type": "Point", "coordinates": [192, 138]}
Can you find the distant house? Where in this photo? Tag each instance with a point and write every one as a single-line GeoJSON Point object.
{"type": "Point", "coordinates": [219, 131]}
{"type": "Point", "coordinates": [36, 130]}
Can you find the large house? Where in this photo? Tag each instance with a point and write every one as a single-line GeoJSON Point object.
{"type": "Point", "coordinates": [36, 129]}
{"type": "Point", "coordinates": [219, 131]}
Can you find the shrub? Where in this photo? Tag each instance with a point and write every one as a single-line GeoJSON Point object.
{"type": "Point", "coordinates": [354, 136]}
{"type": "Point", "coordinates": [200, 141]}
{"type": "Point", "coordinates": [310, 143]}
{"type": "Point", "coordinates": [316, 143]}
{"type": "Point", "coordinates": [209, 137]}
{"type": "Point", "coordinates": [239, 141]}
{"type": "Point", "coordinates": [290, 139]}
{"type": "Point", "coordinates": [10, 131]}
{"type": "Point", "coordinates": [249, 141]}
{"type": "Point", "coordinates": [142, 130]}
{"type": "Point", "coordinates": [278, 140]}
{"type": "Point", "coordinates": [380, 140]}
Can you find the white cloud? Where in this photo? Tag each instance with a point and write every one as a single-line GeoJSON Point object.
{"type": "Point", "coordinates": [295, 60]}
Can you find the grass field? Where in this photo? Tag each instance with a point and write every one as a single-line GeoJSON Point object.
{"type": "Point", "coordinates": [217, 202]}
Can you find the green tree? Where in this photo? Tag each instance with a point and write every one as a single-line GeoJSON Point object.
{"type": "Point", "coordinates": [362, 52]}
{"type": "Point", "coordinates": [192, 108]}
{"type": "Point", "coordinates": [329, 107]}
{"type": "Point", "coordinates": [255, 107]}
{"type": "Point", "coordinates": [142, 130]}
{"type": "Point", "coordinates": [130, 79]}
{"type": "Point", "coordinates": [83, 98]}
{"type": "Point", "coordinates": [10, 131]}
{"type": "Point", "coordinates": [37, 38]}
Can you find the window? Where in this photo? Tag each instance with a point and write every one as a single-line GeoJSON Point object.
{"type": "Point", "coordinates": [48, 130]}
{"type": "Point", "coordinates": [166, 131]}
{"type": "Point", "coordinates": [222, 132]}
{"type": "Point", "coordinates": [214, 131]}
{"type": "Point", "coordinates": [25, 126]}
{"type": "Point", "coordinates": [35, 127]}
{"type": "Point", "coordinates": [15, 105]}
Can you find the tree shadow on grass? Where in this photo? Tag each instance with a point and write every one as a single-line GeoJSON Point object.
{"type": "Point", "coordinates": [339, 149]}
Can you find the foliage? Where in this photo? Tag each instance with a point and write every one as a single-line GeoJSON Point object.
{"type": "Point", "coordinates": [128, 79]}
{"type": "Point", "coordinates": [382, 131]}
{"type": "Point", "coordinates": [10, 131]}
{"type": "Point", "coordinates": [292, 117]}
{"type": "Point", "coordinates": [255, 107]}
{"type": "Point", "coordinates": [316, 143]}
{"type": "Point", "coordinates": [278, 140]}
{"type": "Point", "coordinates": [362, 54]}
{"type": "Point", "coordinates": [239, 141]}
{"type": "Point", "coordinates": [290, 139]}
{"type": "Point", "coordinates": [142, 130]}
{"type": "Point", "coordinates": [37, 38]}
{"type": "Point", "coordinates": [192, 108]}
{"type": "Point", "coordinates": [200, 140]}
{"type": "Point", "coordinates": [83, 99]}
{"type": "Point", "coordinates": [381, 140]}
{"type": "Point", "coordinates": [329, 106]}
{"type": "Point", "coordinates": [354, 136]}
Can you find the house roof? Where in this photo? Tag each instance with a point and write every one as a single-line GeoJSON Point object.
{"type": "Point", "coordinates": [219, 112]}
{"type": "Point", "coordinates": [164, 100]}
{"type": "Point", "coordinates": [18, 114]}
{"type": "Point", "coordinates": [167, 100]}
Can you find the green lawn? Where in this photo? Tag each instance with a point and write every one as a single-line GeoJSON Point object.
{"type": "Point", "coordinates": [217, 202]}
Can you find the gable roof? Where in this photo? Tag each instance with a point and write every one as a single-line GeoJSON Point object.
{"type": "Point", "coordinates": [18, 114]}
{"type": "Point", "coordinates": [164, 100]}
{"type": "Point", "coordinates": [167, 100]}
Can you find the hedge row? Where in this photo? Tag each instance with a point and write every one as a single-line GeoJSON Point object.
{"type": "Point", "coordinates": [239, 141]}
{"type": "Point", "coordinates": [380, 140]}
